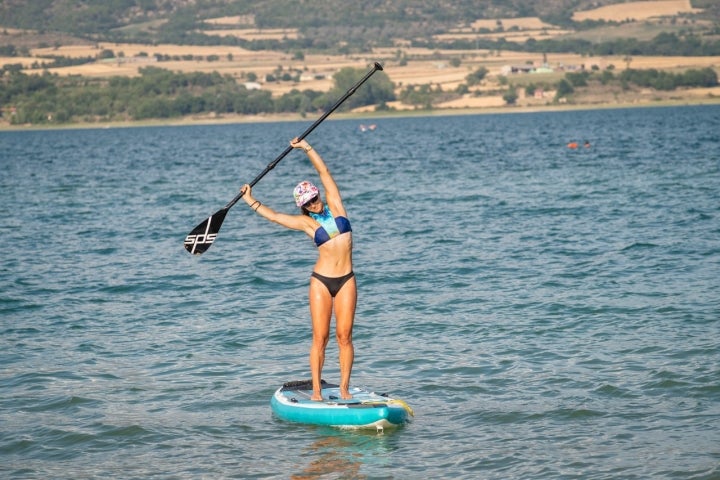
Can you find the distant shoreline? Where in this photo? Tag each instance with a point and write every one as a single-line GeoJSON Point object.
{"type": "Point", "coordinates": [294, 117]}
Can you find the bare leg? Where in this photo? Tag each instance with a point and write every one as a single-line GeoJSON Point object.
{"type": "Point", "coordinates": [320, 312]}
{"type": "Point", "coordinates": [345, 303]}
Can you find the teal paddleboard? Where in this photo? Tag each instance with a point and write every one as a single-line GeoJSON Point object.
{"type": "Point", "coordinates": [366, 409]}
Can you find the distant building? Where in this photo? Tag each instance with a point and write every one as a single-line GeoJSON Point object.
{"type": "Point", "coordinates": [544, 69]}
{"type": "Point", "coordinates": [508, 69]}
{"type": "Point", "coordinates": [513, 69]}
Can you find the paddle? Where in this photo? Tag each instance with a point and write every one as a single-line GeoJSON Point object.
{"type": "Point", "coordinates": [202, 237]}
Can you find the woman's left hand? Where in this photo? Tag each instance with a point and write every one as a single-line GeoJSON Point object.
{"type": "Point", "coordinates": [295, 143]}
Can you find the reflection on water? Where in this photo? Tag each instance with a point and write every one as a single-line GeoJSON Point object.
{"type": "Point", "coordinates": [342, 453]}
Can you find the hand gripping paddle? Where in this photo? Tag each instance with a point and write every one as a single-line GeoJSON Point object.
{"type": "Point", "coordinates": [203, 236]}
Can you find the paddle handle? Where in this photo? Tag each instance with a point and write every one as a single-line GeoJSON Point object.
{"type": "Point", "coordinates": [307, 132]}
{"type": "Point", "coordinates": [203, 236]}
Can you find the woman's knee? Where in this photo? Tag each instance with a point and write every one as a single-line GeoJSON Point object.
{"type": "Point", "coordinates": [344, 339]}
{"type": "Point", "coordinates": [320, 340]}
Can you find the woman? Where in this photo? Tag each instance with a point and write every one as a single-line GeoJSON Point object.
{"type": "Point", "coordinates": [332, 283]}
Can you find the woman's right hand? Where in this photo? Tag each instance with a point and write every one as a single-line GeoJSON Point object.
{"type": "Point", "coordinates": [247, 194]}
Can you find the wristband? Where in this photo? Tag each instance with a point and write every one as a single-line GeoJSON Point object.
{"type": "Point", "coordinates": [309, 147]}
{"type": "Point", "coordinates": [259, 205]}
{"type": "Point", "coordinates": [253, 204]}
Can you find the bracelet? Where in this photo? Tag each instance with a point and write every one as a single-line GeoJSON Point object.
{"type": "Point", "coordinates": [256, 208]}
{"type": "Point", "coordinates": [253, 204]}
{"type": "Point", "coordinates": [309, 147]}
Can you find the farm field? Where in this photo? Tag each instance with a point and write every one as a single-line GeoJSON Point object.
{"type": "Point", "coordinates": [636, 11]}
{"type": "Point", "coordinates": [423, 67]}
{"type": "Point", "coordinates": [404, 65]}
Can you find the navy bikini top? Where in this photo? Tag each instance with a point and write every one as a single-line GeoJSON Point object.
{"type": "Point", "coordinates": [330, 226]}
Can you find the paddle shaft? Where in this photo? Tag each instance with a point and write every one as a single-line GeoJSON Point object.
{"type": "Point", "coordinates": [203, 236]}
{"type": "Point", "coordinates": [307, 132]}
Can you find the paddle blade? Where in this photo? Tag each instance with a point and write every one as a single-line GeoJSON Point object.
{"type": "Point", "coordinates": [203, 236]}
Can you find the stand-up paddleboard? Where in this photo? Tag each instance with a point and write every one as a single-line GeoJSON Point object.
{"type": "Point", "coordinates": [366, 409]}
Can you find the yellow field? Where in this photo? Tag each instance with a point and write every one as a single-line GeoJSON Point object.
{"type": "Point", "coordinates": [247, 20]}
{"type": "Point", "coordinates": [522, 30]}
{"type": "Point", "coordinates": [636, 10]}
{"type": "Point", "coordinates": [523, 23]}
{"type": "Point", "coordinates": [242, 26]}
{"type": "Point", "coordinates": [516, 37]}
{"type": "Point", "coordinates": [14, 31]}
{"type": "Point", "coordinates": [669, 63]}
{"type": "Point", "coordinates": [133, 50]}
{"type": "Point", "coordinates": [423, 66]}
{"type": "Point", "coordinates": [24, 61]}
{"type": "Point", "coordinates": [255, 34]}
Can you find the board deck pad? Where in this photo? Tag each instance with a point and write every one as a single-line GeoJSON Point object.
{"type": "Point", "coordinates": [292, 402]}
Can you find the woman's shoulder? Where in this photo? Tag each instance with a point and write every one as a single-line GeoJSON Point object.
{"type": "Point", "coordinates": [335, 205]}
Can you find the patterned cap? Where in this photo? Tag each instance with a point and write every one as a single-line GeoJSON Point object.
{"type": "Point", "coordinates": [304, 192]}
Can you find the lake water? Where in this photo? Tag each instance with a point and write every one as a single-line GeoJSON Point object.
{"type": "Point", "coordinates": [548, 312]}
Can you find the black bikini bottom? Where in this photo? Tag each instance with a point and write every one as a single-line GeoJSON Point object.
{"type": "Point", "coordinates": [333, 284]}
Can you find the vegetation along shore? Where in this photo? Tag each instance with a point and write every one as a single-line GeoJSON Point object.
{"type": "Point", "coordinates": [219, 62]}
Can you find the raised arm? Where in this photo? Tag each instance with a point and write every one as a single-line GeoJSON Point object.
{"type": "Point", "coordinates": [332, 193]}
{"type": "Point", "coordinates": [293, 222]}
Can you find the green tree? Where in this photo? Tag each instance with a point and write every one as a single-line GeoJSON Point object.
{"type": "Point", "coordinates": [421, 96]}
{"type": "Point", "coordinates": [379, 88]}
{"type": "Point", "coordinates": [511, 96]}
{"type": "Point", "coordinates": [606, 77]}
{"type": "Point", "coordinates": [577, 79]}
{"type": "Point", "coordinates": [477, 76]}
{"type": "Point", "coordinates": [106, 53]}
{"type": "Point", "coordinates": [563, 89]}
{"type": "Point", "coordinates": [706, 77]}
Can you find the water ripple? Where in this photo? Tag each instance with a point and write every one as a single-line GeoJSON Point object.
{"type": "Point", "coordinates": [548, 314]}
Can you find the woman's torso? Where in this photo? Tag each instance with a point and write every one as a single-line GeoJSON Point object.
{"type": "Point", "coordinates": [334, 238]}
{"type": "Point", "coordinates": [335, 256]}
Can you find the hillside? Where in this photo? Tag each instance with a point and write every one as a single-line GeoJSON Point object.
{"type": "Point", "coordinates": [322, 24]}
{"type": "Point", "coordinates": [269, 57]}
{"type": "Point", "coordinates": [101, 16]}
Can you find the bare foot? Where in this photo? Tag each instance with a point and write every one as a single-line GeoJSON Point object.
{"type": "Point", "coordinates": [345, 395]}
{"type": "Point", "coordinates": [316, 397]}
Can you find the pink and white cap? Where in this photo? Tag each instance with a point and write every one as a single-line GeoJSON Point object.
{"type": "Point", "coordinates": [304, 192]}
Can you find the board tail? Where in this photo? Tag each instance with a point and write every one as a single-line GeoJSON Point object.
{"type": "Point", "coordinates": [305, 385]}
